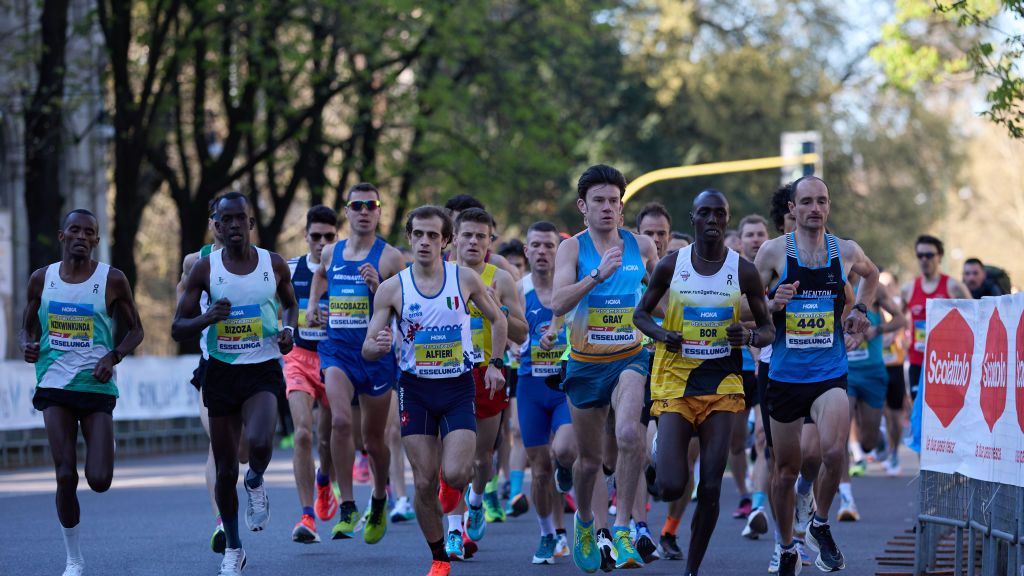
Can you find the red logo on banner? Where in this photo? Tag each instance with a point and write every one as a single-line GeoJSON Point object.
{"type": "Point", "coordinates": [948, 366]}
{"type": "Point", "coordinates": [994, 371]}
{"type": "Point", "coordinates": [1020, 373]}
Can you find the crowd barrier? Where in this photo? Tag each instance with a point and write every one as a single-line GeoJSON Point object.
{"type": "Point", "coordinates": [972, 441]}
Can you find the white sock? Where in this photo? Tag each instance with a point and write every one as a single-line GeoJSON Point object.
{"type": "Point", "coordinates": [402, 501]}
{"type": "Point", "coordinates": [455, 522]}
{"type": "Point", "coordinates": [846, 490]}
{"type": "Point", "coordinates": [857, 451]}
{"type": "Point", "coordinates": [71, 544]}
{"type": "Point", "coordinates": [475, 498]}
{"type": "Point", "coordinates": [547, 524]}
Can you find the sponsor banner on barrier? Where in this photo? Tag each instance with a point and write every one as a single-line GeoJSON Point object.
{"type": "Point", "coordinates": [150, 388]}
{"type": "Point", "coordinates": [973, 419]}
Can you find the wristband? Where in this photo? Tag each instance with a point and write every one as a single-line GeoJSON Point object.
{"type": "Point", "coordinates": [290, 330]}
{"type": "Point", "coordinates": [117, 356]}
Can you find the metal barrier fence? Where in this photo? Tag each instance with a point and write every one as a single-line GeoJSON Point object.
{"type": "Point", "coordinates": [985, 519]}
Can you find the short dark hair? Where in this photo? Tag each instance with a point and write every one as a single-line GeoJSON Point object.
{"type": "Point", "coordinates": [512, 248]}
{"type": "Point", "coordinates": [927, 239]}
{"type": "Point", "coordinates": [211, 206]}
{"type": "Point", "coordinates": [779, 206]}
{"type": "Point", "coordinates": [542, 226]}
{"type": "Point", "coordinates": [321, 214]}
{"type": "Point", "coordinates": [974, 261]}
{"type": "Point", "coordinates": [363, 187]}
{"type": "Point", "coordinates": [653, 209]}
{"type": "Point", "coordinates": [682, 236]}
{"type": "Point", "coordinates": [427, 212]}
{"type": "Point", "coordinates": [227, 197]}
{"type": "Point", "coordinates": [461, 202]}
{"type": "Point", "coordinates": [478, 215]}
{"type": "Point", "coordinates": [600, 174]}
{"type": "Point", "coordinates": [83, 211]}
{"type": "Point", "coordinates": [752, 219]}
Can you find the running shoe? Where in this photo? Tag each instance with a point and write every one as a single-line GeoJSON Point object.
{"type": "Point", "coordinates": [819, 539]}
{"type": "Point", "coordinates": [326, 504]}
{"type": "Point", "coordinates": [219, 540]}
{"type": "Point", "coordinates": [73, 568]}
{"type": "Point", "coordinates": [584, 549]}
{"type": "Point", "coordinates": [375, 521]}
{"type": "Point", "coordinates": [438, 568]}
{"type": "Point", "coordinates": [403, 511]}
{"type": "Point", "coordinates": [476, 522]}
{"type": "Point", "coordinates": [492, 508]}
{"type": "Point", "coordinates": [804, 510]}
{"type": "Point", "coordinates": [257, 511]}
{"type": "Point", "coordinates": [847, 510]}
{"type": "Point", "coordinates": [348, 519]}
{"type": "Point", "coordinates": [757, 524]}
{"type": "Point", "coordinates": [361, 467]}
{"type": "Point", "coordinates": [561, 544]}
{"type": "Point", "coordinates": [773, 564]}
{"type": "Point", "coordinates": [607, 550]}
{"type": "Point", "coordinates": [644, 544]}
{"type": "Point", "coordinates": [563, 478]}
{"type": "Point", "coordinates": [858, 468]}
{"type": "Point", "coordinates": [468, 546]}
{"type": "Point", "coordinates": [789, 563]}
{"type": "Point", "coordinates": [625, 554]}
{"type": "Point", "coordinates": [801, 549]}
{"type": "Point", "coordinates": [668, 548]}
{"type": "Point", "coordinates": [570, 504]}
{"type": "Point", "coordinates": [233, 562]}
{"type": "Point", "coordinates": [892, 465]}
{"type": "Point", "coordinates": [506, 490]}
{"type": "Point", "coordinates": [287, 442]}
{"type": "Point", "coordinates": [545, 553]}
{"type": "Point", "coordinates": [453, 546]}
{"type": "Point", "coordinates": [449, 497]}
{"type": "Point", "coordinates": [517, 506]}
{"type": "Point", "coordinates": [743, 510]}
{"type": "Point", "coordinates": [305, 531]}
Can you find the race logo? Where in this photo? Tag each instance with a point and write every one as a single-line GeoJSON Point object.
{"type": "Point", "coordinates": [994, 371]}
{"type": "Point", "coordinates": [948, 366]}
{"type": "Point", "coordinates": [1019, 361]}
{"type": "Point", "coordinates": [685, 275]}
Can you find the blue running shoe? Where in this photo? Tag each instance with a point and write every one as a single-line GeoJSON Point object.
{"type": "Point", "coordinates": [584, 550]}
{"type": "Point", "coordinates": [453, 546]}
{"type": "Point", "coordinates": [545, 553]}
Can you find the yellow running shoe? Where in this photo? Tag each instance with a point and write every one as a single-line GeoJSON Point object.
{"type": "Point", "coordinates": [348, 519]}
{"type": "Point", "coordinates": [375, 521]}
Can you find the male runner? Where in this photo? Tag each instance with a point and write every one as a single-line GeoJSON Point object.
{"type": "Point", "coordinates": [304, 385]}
{"type": "Point", "coordinates": [474, 229]}
{"type": "Point", "coordinates": [435, 385]}
{"type": "Point", "coordinates": [68, 333]}
{"type": "Point", "coordinates": [930, 284]}
{"type": "Point", "coordinates": [461, 202]}
{"type": "Point", "coordinates": [247, 287]}
{"type": "Point", "coordinates": [894, 351]}
{"type": "Point", "coordinates": [696, 383]}
{"type": "Point", "coordinates": [598, 274]}
{"type": "Point", "coordinates": [807, 375]}
{"type": "Point", "coordinates": [544, 413]}
{"type": "Point", "coordinates": [867, 388]}
{"type": "Point", "coordinates": [350, 273]}
{"type": "Point", "coordinates": [679, 240]}
{"type": "Point", "coordinates": [511, 453]}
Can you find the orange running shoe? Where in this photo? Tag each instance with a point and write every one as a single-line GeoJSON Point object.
{"type": "Point", "coordinates": [305, 531]}
{"type": "Point", "coordinates": [439, 568]}
{"type": "Point", "coordinates": [448, 496]}
{"type": "Point", "coordinates": [326, 504]}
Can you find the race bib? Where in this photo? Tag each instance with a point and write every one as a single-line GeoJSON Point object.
{"type": "Point", "coordinates": [242, 331]}
{"type": "Point", "coordinates": [305, 332]}
{"type": "Point", "coordinates": [610, 319]}
{"type": "Point", "coordinates": [545, 363]}
{"type": "Point", "coordinates": [920, 334]}
{"type": "Point", "coordinates": [891, 353]}
{"type": "Point", "coordinates": [349, 306]}
{"type": "Point", "coordinates": [439, 353]}
{"type": "Point", "coordinates": [476, 326]}
{"type": "Point", "coordinates": [810, 324]}
{"type": "Point", "coordinates": [70, 326]}
{"type": "Point", "coordinates": [859, 354]}
{"type": "Point", "coordinates": [704, 335]}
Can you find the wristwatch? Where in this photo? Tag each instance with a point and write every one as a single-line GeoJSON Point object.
{"type": "Point", "coordinates": [860, 307]}
{"type": "Point", "coordinates": [290, 330]}
{"type": "Point", "coordinates": [498, 363]}
{"type": "Point", "coordinates": [117, 356]}
{"type": "Point", "coordinates": [596, 275]}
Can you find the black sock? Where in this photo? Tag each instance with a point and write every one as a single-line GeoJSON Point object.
{"type": "Point", "coordinates": [377, 504]}
{"type": "Point", "coordinates": [437, 551]}
{"type": "Point", "coordinates": [252, 479]}
{"type": "Point", "coordinates": [607, 471]}
{"type": "Point", "coordinates": [560, 531]}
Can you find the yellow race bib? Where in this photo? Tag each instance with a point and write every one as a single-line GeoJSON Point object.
{"type": "Point", "coordinates": [810, 324]}
{"type": "Point", "coordinates": [242, 331]}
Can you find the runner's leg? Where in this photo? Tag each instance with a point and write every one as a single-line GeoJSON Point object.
{"type": "Point", "coordinates": [786, 466]}
{"type": "Point", "coordinates": [211, 470]}
{"type": "Point", "coordinates": [301, 405]}
{"type": "Point", "coordinates": [373, 423]}
{"type": "Point", "coordinates": [714, 435]}
{"type": "Point", "coordinates": [628, 400]}
{"type": "Point", "coordinates": [339, 395]}
{"type": "Point", "coordinates": [738, 452]}
{"type": "Point", "coordinates": [588, 423]}
{"type": "Point", "coordinates": [62, 433]}
{"type": "Point", "coordinates": [225, 432]}
{"type": "Point", "coordinates": [425, 461]}
{"type": "Point", "coordinates": [831, 411]}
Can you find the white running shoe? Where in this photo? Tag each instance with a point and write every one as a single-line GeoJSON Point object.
{"type": "Point", "coordinates": [233, 562]}
{"type": "Point", "coordinates": [804, 511]}
{"type": "Point", "coordinates": [257, 511]}
{"type": "Point", "coordinates": [74, 568]}
{"type": "Point", "coordinates": [561, 546]}
{"type": "Point", "coordinates": [757, 524]}
{"type": "Point", "coordinates": [402, 511]}
{"type": "Point", "coordinates": [848, 510]}
{"type": "Point", "coordinates": [773, 564]}
{"type": "Point", "coordinates": [892, 467]}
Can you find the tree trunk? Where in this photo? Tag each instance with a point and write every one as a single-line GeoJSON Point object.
{"type": "Point", "coordinates": [44, 202]}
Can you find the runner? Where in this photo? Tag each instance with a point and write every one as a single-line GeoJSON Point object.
{"type": "Point", "coordinates": [696, 384]}
{"type": "Point", "coordinates": [435, 386]}
{"type": "Point", "coordinates": [598, 274]}
{"type": "Point", "coordinates": [511, 453]}
{"type": "Point", "coordinates": [474, 229]}
{"type": "Point", "coordinates": [305, 387]}
{"type": "Point", "coordinates": [350, 273]}
{"type": "Point", "coordinates": [217, 540]}
{"type": "Point", "coordinates": [930, 284]}
{"type": "Point", "coordinates": [679, 240]}
{"type": "Point", "coordinates": [68, 333]}
{"type": "Point", "coordinates": [544, 413]}
{"type": "Point", "coordinates": [247, 286]}
{"type": "Point", "coordinates": [894, 352]}
{"type": "Point", "coordinates": [461, 202]}
{"type": "Point", "coordinates": [867, 388]}
{"type": "Point", "coordinates": [807, 375]}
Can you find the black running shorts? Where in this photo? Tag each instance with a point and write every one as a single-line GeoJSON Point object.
{"type": "Point", "coordinates": [227, 386]}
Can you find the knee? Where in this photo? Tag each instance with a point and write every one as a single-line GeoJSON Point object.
{"type": "Point", "coordinates": [425, 485]}
{"type": "Point", "coordinates": [341, 424]}
{"type": "Point", "coordinates": [541, 473]}
{"type": "Point", "coordinates": [227, 474]}
{"type": "Point", "coordinates": [457, 476]}
{"type": "Point", "coordinates": [629, 436]}
{"type": "Point", "coordinates": [375, 444]}
{"type": "Point", "coordinates": [786, 474]}
{"type": "Point", "coordinates": [303, 439]}
{"type": "Point", "coordinates": [709, 491]}
{"type": "Point", "coordinates": [99, 481]}
{"type": "Point", "coordinates": [260, 447]}
{"type": "Point", "coordinates": [833, 455]}
{"type": "Point", "coordinates": [672, 488]}
{"type": "Point", "coordinates": [67, 477]}
{"type": "Point", "coordinates": [589, 463]}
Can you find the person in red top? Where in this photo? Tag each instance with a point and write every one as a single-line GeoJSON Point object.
{"type": "Point", "coordinates": [930, 284]}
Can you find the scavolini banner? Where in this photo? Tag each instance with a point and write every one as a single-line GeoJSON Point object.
{"type": "Point", "coordinates": [973, 419]}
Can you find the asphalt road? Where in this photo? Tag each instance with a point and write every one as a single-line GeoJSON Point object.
{"type": "Point", "coordinates": [156, 521]}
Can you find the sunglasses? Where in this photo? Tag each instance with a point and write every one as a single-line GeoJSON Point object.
{"type": "Point", "coordinates": [317, 236]}
{"type": "Point", "coordinates": [926, 255]}
{"type": "Point", "coordinates": [360, 205]}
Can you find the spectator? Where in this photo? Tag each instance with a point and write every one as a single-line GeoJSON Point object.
{"type": "Point", "coordinates": [977, 280]}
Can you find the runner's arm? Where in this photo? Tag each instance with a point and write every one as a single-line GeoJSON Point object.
{"type": "Point", "coordinates": [285, 292]}
{"type": "Point", "coordinates": [122, 307]}
{"type": "Point", "coordinates": [660, 280]}
{"type": "Point", "coordinates": [475, 292]}
{"type": "Point", "coordinates": [866, 269]}
{"type": "Point", "coordinates": [566, 292]}
{"type": "Point", "coordinates": [317, 287]}
{"type": "Point", "coordinates": [186, 267]}
{"type": "Point", "coordinates": [385, 304]}
{"type": "Point", "coordinates": [503, 263]}
{"type": "Point", "coordinates": [750, 284]}
{"type": "Point", "coordinates": [897, 320]}
{"type": "Point", "coordinates": [28, 336]}
{"type": "Point", "coordinates": [508, 296]}
{"type": "Point", "coordinates": [957, 289]}
{"type": "Point", "coordinates": [188, 322]}
{"type": "Point", "coordinates": [765, 261]}
{"type": "Point", "coordinates": [391, 262]}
